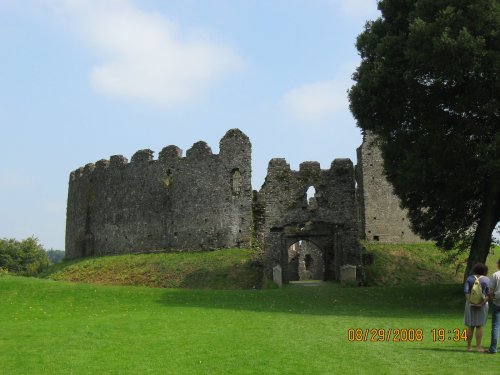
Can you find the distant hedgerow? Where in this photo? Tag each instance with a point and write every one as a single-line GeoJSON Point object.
{"type": "Point", "coordinates": [26, 257]}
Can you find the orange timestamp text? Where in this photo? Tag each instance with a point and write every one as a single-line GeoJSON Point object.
{"type": "Point", "coordinates": [404, 334]}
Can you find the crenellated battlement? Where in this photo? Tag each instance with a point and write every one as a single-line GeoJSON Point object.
{"type": "Point", "coordinates": [169, 154]}
{"type": "Point", "coordinates": [280, 165]}
{"type": "Point", "coordinates": [142, 156]}
{"type": "Point", "coordinates": [234, 142]}
{"type": "Point", "coordinates": [199, 150]}
{"type": "Point", "coordinates": [309, 166]}
{"type": "Point", "coordinates": [117, 161]}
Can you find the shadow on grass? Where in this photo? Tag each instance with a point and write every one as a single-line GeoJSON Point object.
{"type": "Point", "coordinates": [329, 299]}
{"type": "Point", "coordinates": [236, 277]}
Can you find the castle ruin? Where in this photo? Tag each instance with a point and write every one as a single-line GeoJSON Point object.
{"type": "Point", "coordinates": [204, 201]}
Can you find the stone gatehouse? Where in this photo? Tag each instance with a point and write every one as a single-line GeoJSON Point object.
{"type": "Point", "coordinates": [328, 219]}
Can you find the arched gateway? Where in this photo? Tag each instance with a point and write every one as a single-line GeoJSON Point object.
{"type": "Point", "coordinates": [305, 261]}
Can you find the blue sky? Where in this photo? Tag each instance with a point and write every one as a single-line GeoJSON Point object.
{"type": "Point", "coordinates": [81, 80]}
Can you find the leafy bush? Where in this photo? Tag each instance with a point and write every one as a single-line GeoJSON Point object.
{"type": "Point", "coordinates": [26, 257]}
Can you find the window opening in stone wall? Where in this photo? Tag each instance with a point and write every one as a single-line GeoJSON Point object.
{"type": "Point", "coordinates": [305, 261]}
{"type": "Point", "coordinates": [236, 181]}
{"type": "Point", "coordinates": [311, 198]}
{"type": "Point", "coordinates": [376, 238]}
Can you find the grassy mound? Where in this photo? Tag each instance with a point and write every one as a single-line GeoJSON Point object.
{"type": "Point", "coordinates": [219, 269]}
{"type": "Point", "coordinates": [424, 264]}
{"type": "Point", "coordinates": [394, 264]}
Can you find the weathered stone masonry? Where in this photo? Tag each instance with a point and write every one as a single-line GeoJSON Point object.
{"type": "Point", "coordinates": [330, 222]}
{"type": "Point", "coordinates": [381, 217]}
{"type": "Point", "coordinates": [200, 201]}
{"type": "Point", "coordinates": [205, 201]}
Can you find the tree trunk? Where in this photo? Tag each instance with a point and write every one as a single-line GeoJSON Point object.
{"type": "Point", "coordinates": [489, 218]}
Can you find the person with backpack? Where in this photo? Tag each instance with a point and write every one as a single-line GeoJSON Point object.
{"type": "Point", "coordinates": [476, 290]}
{"type": "Point", "coordinates": [495, 306]}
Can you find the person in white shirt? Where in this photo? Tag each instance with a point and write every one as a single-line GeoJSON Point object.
{"type": "Point", "coordinates": [495, 298]}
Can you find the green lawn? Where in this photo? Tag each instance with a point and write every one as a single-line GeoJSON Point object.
{"type": "Point", "coordinates": [55, 327]}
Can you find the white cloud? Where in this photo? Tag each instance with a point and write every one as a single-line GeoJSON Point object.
{"type": "Point", "coordinates": [357, 8]}
{"type": "Point", "coordinates": [145, 55]}
{"type": "Point", "coordinates": [316, 102]}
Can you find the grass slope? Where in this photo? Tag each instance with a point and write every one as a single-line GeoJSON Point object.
{"type": "Point", "coordinates": [50, 327]}
{"type": "Point", "coordinates": [220, 269]}
{"type": "Point", "coordinates": [424, 264]}
{"type": "Point", "coordinates": [395, 264]}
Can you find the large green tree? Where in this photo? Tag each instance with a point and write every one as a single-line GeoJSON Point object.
{"type": "Point", "coordinates": [428, 86]}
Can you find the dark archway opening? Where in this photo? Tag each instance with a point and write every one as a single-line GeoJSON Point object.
{"type": "Point", "coordinates": [305, 261]}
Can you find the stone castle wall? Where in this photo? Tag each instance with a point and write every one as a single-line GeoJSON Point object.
{"type": "Point", "coordinates": [200, 201]}
{"type": "Point", "coordinates": [381, 217]}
